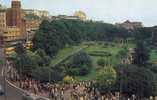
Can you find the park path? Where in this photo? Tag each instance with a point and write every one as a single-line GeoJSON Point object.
{"type": "Point", "coordinates": [68, 56]}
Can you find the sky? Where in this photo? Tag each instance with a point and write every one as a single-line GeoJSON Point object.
{"type": "Point", "coordinates": [109, 11]}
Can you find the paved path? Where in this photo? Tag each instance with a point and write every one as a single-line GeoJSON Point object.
{"type": "Point", "coordinates": [12, 93]}
{"type": "Point", "coordinates": [68, 56]}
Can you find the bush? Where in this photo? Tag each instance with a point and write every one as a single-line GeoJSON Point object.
{"type": "Point", "coordinates": [46, 74]}
{"type": "Point", "coordinates": [101, 62]}
{"type": "Point", "coordinates": [106, 79]}
{"type": "Point", "coordinates": [68, 79]}
{"type": "Point", "coordinates": [136, 80]}
{"type": "Point", "coordinates": [100, 53]}
{"type": "Point", "coordinates": [80, 65]}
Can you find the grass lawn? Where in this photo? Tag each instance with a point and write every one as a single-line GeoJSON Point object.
{"type": "Point", "coordinates": [111, 49]}
{"type": "Point", "coordinates": [65, 52]}
{"type": "Point", "coordinates": [153, 56]}
{"type": "Point", "coordinates": [113, 59]}
{"type": "Point", "coordinates": [114, 49]}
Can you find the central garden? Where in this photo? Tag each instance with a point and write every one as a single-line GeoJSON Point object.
{"type": "Point", "coordinates": [70, 51]}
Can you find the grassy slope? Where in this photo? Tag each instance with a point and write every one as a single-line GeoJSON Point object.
{"type": "Point", "coordinates": [112, 49]}
{"type": "Point", "coordinates": [153, 56]}
{"type": "Point", "coordinates": [65, 52]}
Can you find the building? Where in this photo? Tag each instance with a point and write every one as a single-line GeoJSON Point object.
{"type": "Point", "coordinates": [12, 24]}
{"type": "Point", "coordinates": [32, 24]}
{"type": "Point", "coordinates": [31, 27]}
{"type": "Point", "coordinates": [39, 13]}
{"type": "Point", "coordinates": [2, 25]}
{"type": "Point", "coordinates": [130, 25]}
{"type": "Point", "coordinates": [64, 17]}
{"type": "Point", "coordinates": [81, 15]}
{"type": "Point", "coordinates": [2, 20]}
{"type": "Point", "coordinates": [14, 14]}
{"type": "Point", "coordinates": [15, 18]}
{"type": "Point", "coordinates": [11, 34]}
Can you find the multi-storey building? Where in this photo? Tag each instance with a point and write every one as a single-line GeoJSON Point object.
{"type": "Point", "coordinates": [31, 27]}
{"type": "Point", "coordinates": [14, 16]}
{"type": "Point", "coordinates": [2, 25]}
{"type": "Point", "coordinates": [129, 25]}
{"type": "Point", "coordinates": [32, 24]}
{"type": "Point", "coordinates": [2, 20]}
{"type": "Point", "coordinates": [11, 34]}
{"type": "Point", "coordinates": [12, 24]}
{"type": "Point", "coordinates": [39, 13]}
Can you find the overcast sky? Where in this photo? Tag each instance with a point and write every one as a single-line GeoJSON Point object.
{"type": "Point", "coordinates": [110, 11]}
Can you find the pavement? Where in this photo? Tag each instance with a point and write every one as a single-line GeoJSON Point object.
{"type": "Point", "coordinates": [12, 93]}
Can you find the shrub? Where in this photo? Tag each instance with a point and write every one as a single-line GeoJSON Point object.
{"type": "Point", "coordinates": [100, 53]}
{"type": "Point", "coordinates": [80, 65]}
{"type": "Point", "coordinates": [68, 79]}
{"type": "Point", "coordinates": [101, 62]}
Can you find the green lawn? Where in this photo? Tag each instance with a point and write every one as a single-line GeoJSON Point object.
{"type": "Point", "coordinates": [65, 52]}
{"type": "Point", "coordinates": [153, 56]}
{"type": "Point", "coordinates": [113, 59]}
{"type": "Point", "coordinates": [114, 49]}
{"type": "Point", "coordinates": [111, 49]}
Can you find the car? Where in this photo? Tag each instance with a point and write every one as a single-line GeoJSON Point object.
{"type": "Point", "coordinates": [1, 91]}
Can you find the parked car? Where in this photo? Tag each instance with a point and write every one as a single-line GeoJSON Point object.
{"type": "Point", "coordinates": [1, 91]}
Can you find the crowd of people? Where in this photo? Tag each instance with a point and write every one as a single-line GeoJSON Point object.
{"type": "Point", "coordinates": [61, 91]}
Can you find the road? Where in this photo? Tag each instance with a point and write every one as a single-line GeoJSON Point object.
{"type": "Point", "coordinates": [12, 93]}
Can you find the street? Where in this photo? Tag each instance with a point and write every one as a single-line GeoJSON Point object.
{"type": "Point", "coordinates": [11, 92]}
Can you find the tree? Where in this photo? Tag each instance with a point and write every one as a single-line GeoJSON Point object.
{"type": "Point", "coordinates": [122, 53]}
{"type": "Point", "coordinates": [141, 55]}
{"type": "Point", "coordinates": [101, 62]}
{"type": "Point", "coordinates": [42, 74]}
{"type": "Point", "coordinates": [45, 60]}
{"type": "Point", "coordinates": [25, 63]}
{"type": "Point", "coordinates": [20, 49]}
{"type": "Point", "coordinates": [106, 79]}
{"type": "Point", "coordinates": [54, 35]}
{"type": "Point", "coordinates": [80, 65]}
{"type": "Point", "coordinates": [136, 80]}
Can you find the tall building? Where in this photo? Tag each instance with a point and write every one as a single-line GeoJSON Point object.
{"type": "Point", "coordinates": [14, 16]}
